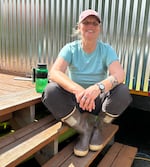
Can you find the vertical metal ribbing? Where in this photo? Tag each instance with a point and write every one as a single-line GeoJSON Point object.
{"type": "Point", "coordinates": [34, 31]}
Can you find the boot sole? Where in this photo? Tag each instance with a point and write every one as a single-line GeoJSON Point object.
{"type": "Point", "coordinates": [80, 153]}
{"type": "Point", "coordinates": [96, 147]}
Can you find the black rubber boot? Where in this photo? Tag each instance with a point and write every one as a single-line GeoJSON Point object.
{"type": "Point", "coordinates": [83, 123]}
{"type": "Point", "coordinates": [96, 142]}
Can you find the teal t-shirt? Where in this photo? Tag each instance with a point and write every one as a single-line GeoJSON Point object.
{"type": "Point", "coordinates": [88, 69]}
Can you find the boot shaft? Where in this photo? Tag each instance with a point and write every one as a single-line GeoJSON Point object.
{"type": "Point", "coordinates": [80, 121]}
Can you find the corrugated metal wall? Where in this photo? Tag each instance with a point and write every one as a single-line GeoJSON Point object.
{"type": "Point", "coordinates": [33, 31]}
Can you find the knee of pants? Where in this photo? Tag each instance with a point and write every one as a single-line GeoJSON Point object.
{"type": "Point", "coordinates": [123, 94]}
{"type": "Point", "coordinates": [49, 92]}
{"type": "Point", "coordinates": [118, 100]}
{"type": "Point", "coordinates": [58, 101]}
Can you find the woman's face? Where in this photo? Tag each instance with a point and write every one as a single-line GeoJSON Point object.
{"type": "Point", "coordinates": [89, 28]}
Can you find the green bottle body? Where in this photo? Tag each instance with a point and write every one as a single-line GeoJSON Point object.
{"type": "Point", "coordinates": [41, 78]}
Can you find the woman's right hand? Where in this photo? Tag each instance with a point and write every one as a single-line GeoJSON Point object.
{"type": "Point", "coordinates": [86, 97]}
{"type": "Point", "coordinates": [78, 92]}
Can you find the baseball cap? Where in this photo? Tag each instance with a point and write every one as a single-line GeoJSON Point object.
{"type": "Point", "coordinates": [87, 13]}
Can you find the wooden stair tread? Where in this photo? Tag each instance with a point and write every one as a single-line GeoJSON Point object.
{"type": "Point", "coordinates": [66, 157]}
{"type": "Point", "coordinates": [17, 151]}
{"type": "Point", "coordinates": [119, 155]}
{"type": "Point", "coordinates": [22, 99]}
{"type": "Point", "coordinates": [33, 127]}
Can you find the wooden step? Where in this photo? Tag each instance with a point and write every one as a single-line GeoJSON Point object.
{"type": "Point", "coordinates": [33, 127]}
{"type": "Point", "coordinates": [14, 148]}
{"type": "Point", "coordinates": [119, 155]}
{"type": "Point", "coordinates": [66, 157]}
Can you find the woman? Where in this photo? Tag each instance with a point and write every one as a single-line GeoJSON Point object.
{"type": "Point", "coordinates": [94, 84]}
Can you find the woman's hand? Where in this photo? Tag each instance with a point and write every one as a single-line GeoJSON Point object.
{"type": "Point", "coordinates": [86, 98]}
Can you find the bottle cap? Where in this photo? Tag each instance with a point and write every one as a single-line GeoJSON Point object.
{"type": "Point", "coordinates": [42, 65]}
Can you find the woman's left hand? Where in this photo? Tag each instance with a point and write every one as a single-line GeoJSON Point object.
{"type": "Point", "coordinates": [87, 98]}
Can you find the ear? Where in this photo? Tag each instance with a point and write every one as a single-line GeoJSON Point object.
{"type": "Point", "coordinates": [78, 26]}
{"type": "Point", "coordinates": [101, 28]}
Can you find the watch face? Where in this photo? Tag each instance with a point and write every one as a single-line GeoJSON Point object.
{"type": "Point", "coordinates": [101, 86]}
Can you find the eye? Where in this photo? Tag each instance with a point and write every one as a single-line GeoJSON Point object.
{"type": "Point", "coordinates": [94, 23]}
{"type": "Point", "coordinates": [86, 22]}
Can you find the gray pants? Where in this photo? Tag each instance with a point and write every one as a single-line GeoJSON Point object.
{"type": "Point", "coordinates": [61, 103]}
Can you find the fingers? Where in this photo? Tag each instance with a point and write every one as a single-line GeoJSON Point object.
{"type": "Point", "coordinates": [86, 98]}
{"type": "Point", "coordinates": [79, 96]}
{"type": "Point", "coordinates": [87, 103]}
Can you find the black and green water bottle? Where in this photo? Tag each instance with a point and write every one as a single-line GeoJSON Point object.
{"type": "Point", "coordinates": [40, 77]}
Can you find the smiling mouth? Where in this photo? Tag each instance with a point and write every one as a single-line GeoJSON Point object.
{"type": "Point", "coordinates": [91, 31]}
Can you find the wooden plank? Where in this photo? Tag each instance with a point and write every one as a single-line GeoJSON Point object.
{"type": "Point", "coordinates": [118, 155]}
{"type": "Point", "coordinates": [16, 94]}
{"type": "Point", "coordinates": [10, 138]}
{"type": "Point", "coordinates": [4, 92]}
{"type": "Point", "coordinates": [5, 117]}
{"type": "Point", "coordinates": [20, 152]}
{"type": "Point", "coordinates": [110, 155]}
{"type": "Point", "coordinates": [13, 87]}
{"type": "Point", "coordinates": [125, 157]}
{"type": "Point", "coordinates": [61, 156]}
{"type": "Point", "coordinates": [108, 132]}
{"type": "Point", "coordinates": [26, 98]}
{"type": "Point", "coordinates": [141, 93]}
{"type": "Point", "coordinates": [9, 81]}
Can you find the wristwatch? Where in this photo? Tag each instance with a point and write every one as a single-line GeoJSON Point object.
{"type": "Point", "coordinates": [101, 87]}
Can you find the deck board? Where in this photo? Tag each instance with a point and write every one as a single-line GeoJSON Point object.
{"type": "Point", "coordinates": [16, 94]}
{"type": "Point", "coordinates": [66, 157]}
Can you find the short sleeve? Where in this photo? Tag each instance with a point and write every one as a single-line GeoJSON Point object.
{"type": "Point", "coordinates": [65, 53]}
{"type": "Point", "coordinates": [111, 56]}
